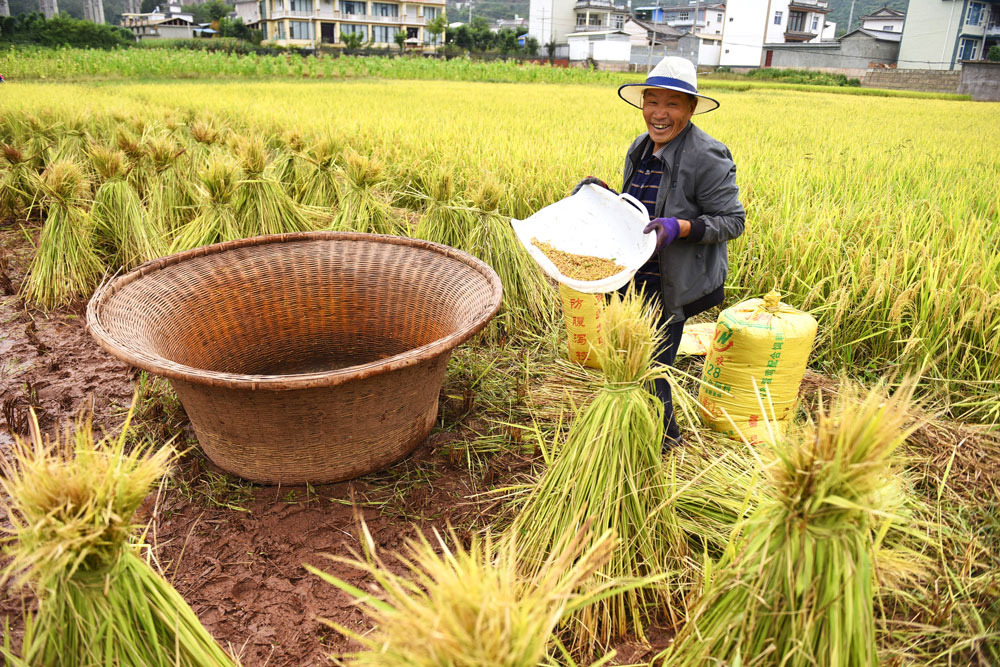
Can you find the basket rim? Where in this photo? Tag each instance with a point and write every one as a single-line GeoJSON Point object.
{"type": "Point", "coordinates": [176, 371]}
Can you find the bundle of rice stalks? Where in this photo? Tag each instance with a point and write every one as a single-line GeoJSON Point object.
{"type": "Point", "coordinates": [529, 302]}
{"type": "Point", "coordinates": [19, 197]}
{"type": "Point", "coordinates": [71, 504]}
{"type": "Point", "coordinates": [321, 178]}
{"type": "Point", "coordinates": [169, 198]}
{"type": "Point", "coordinates": [796, 587]}
{"type": "Point", "coordinates": [205, 131]}
{"type": "Point", "coordinates": [118, 213]}
{"type": "Point", "coordinates": [66, 264]}
{"type": "Point", "coordinates": [469, 607]}
{"type": "Point", "coordinates": [261, 205]}
{"type": "Point", "coordinates": [609, 472]}
{"type": "Point", "coordinates": [216, 219]}
{"type": "Point", "coordinates": [135, 154]}
{"type": "Point", "coordinates": [446, 218]}
{"type": "Point", "coordinates": [364, 206]}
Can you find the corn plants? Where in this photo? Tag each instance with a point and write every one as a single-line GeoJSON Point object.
{"type": "Point", "coordinates": [66, 264]}
{"type": "Point", "coordinates": [119, 216]}
{"type": "Point", "coordinates": [71, 504]}
{"type": "Point", "coordinates": [609, 471]}
{"type": "Point", "coordinates": [469, 607]}
{"type": "Point", "coordinates": [796, 587]}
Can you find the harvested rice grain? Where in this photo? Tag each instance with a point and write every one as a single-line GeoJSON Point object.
{"type": "Point", "coordinates": [578, 267]}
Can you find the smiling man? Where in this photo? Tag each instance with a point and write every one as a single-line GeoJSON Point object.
{"type": "Point", "coordinates": [687, 182]}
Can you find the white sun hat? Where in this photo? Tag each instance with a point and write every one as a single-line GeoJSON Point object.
{"type": "Point", "coordinates": [671, 73]}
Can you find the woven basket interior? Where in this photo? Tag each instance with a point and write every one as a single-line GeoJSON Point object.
{"type": "Point", "coordinates": [296, 307]}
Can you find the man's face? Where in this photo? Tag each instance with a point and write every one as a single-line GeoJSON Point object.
{"type": "Point", "coordinates": [666, 113]}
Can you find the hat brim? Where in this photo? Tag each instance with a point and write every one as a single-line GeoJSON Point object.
{"type": "Point", "coordinates": [632, 93]}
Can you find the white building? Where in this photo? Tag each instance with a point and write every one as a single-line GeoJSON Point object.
{"type": "Point", "coordinates": [308, 23]}
{"type": "Point", "coordinates": [169, 24]}
{"type": "Point", "coordinates": [752, 23]}
{"type": "Point", "coordinates": [600, 45]}
{"type": "Point", "coordinates": [884, 20]}
{"type": "Point", "coordinates": [939, 34]}
{"type": "Point", "coordinates": [554, 20]}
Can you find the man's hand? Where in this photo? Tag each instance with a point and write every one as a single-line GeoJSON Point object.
{"type": "Point", "coordinates": [667, 230]}
{"type": "Point", "coordinates": [590, 180]}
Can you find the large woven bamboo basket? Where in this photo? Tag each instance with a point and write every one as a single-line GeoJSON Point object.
{"type": "Point", "coordinates": [312, 357]}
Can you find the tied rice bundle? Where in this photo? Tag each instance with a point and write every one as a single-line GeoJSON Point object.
{"type": "Point", "coordinates": [445, 219]}
{"type": "Point", "coordinates": [363, 207]}
{"type": "Point", "coordinates": [795, 587]}
{"type": "Point", "coordinates": [216, 220]}
{"type": "Point", "coordinates": [169, 197]}
{"type": "Point", "coordinates": [529, 303]}
{"type": "Point", "coordinates": [71, 504]}
{"type": "Point", "coordinates": [261, 205]}
{"type": "Point", "coordinates": [470, 607]}
{"type": "Point", "coordinates": [19, 195]}
{"type": "Point", "coordinates": [321, 183]}
{"type": "Point", "coordinates": [66, 264]}
{"type": "Point", "coordinates": [609, 472]}
{"type": "Point", "coordinates": [119, 216]}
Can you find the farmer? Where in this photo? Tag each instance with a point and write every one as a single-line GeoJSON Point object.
{"type": "Point", "coordinates": [687, 181]}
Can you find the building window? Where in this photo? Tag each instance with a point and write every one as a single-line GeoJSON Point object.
{"type": "Point", "coordinates": [281, 30]}
{"type": "Point", "coordinates": [777, 18]}
{"type": "Point", "coordinates": [595, 20]}
{"type": "Point", "coordinates": [384, 34]}
{"type": "Point", "coordinates": [976, 13]}
{"type": "Point", "coordinates": [796, 22]}
{"type": "Point", "coordinates": [684, 16]}
{"type": "Point", "coordinates": [967, 49]}
{"type": "Point", "coordinates": [718, 18]}
{"type": "Point", "coordinates": [301, 6]}
{"type": "Point", "coordinates": [619, 22]}
{"type": "Point", "coordinates": [300, 30]}
{"type": "Point", "coordinates": [581, 20]}
{"type": "Point", "coordinates": [815, 23]}
{"type": "Point", "coordinates": [431, 13]}
{"type": "Point", "coordinates": [352, 7]}
{"type": "Point", "coordinates": [385, 9]}
{"type": "Point", "coordinates": [351, 29]}
{"type": "Point", "coordinates": [887, 28]}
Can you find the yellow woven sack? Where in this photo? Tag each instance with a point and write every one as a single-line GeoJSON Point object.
{"type": "Point", "coordinates": [583, 313]}
{"type": "Point", "coordinates": [760, 340]}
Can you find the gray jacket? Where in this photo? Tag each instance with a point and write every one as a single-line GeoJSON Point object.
{"type": "Point", "coordinates": [693, 269]}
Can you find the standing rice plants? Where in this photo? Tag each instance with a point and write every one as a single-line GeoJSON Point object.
{"type": "Point", "coordinates": [364, 206]}
{"type": "Point", "coordinates": [261, 205]}
{"type": "Point", "coordinates": [215, 220]}
{"type": "Point", "coordinates": [71, 504]}
{"type": "Point", "coordinates": [469, 607]}
{"type": "Point", "coordinates": [796, 586]}
{"type": "Point", "coordinates": [609, 472]}
{"type": "Point", "coordinates": [66, 264]}
{"type": "Point", "coordinates": [119, 216]}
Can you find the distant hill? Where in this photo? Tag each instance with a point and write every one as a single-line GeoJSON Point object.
{"type": "Point", "coordinates": [840, 9]}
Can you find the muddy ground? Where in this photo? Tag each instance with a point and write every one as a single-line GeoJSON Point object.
{"type": "Point", "coordinates": [234, 550]}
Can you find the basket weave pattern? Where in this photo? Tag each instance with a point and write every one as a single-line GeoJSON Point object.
{"type": "Point", "coordinates": [301, 357]}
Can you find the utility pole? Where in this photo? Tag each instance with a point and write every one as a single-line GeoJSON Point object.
{"type": "Point", "coordinates": [850, 18]}
{"type": "Point", "coordinates": [470, 13]}
{"type": "Point", "coordinates": [652, 41]}
{"type": "Point", "coordinates": [4, 8]}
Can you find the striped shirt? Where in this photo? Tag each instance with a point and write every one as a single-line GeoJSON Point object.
{"type": "Point", "coordinates": [644, 187]}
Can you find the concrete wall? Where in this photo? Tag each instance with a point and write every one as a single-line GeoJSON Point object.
{"type": "Point", "coordinates": [929, 34]}
{"type": "Point", "coordinates": [641, 57]}
{"type": "Point", "coordinates": [927, 80]}
{"type": "Point", "coordinates": [850, 56]}
{"type": "Point", "coordinates": [981, 80]}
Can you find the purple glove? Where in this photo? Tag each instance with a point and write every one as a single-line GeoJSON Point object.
{"type": "Point", "coordinates": [590, 180]}
{"type": "Point", "coordinates": [667, 230]}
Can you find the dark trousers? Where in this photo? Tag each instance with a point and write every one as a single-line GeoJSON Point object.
{"type": "Point", "coordinates": [649, 283]}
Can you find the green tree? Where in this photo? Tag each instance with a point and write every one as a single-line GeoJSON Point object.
{"type": "Point", "coordinates": [352, 41]}
{"type": "Point", "coordinates": [994, 53]}
{"type": "Point", "coordinates": [437, 26]}
{"type": "Point", "coordinates": [531, 46]}
{"type": "Point", "coordinates": [400, 39]}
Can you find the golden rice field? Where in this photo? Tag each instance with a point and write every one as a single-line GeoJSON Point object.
{"type": "Point", "coordinates": [856, 540]}
{"type": "Point", "coordinates": [880, 216]}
